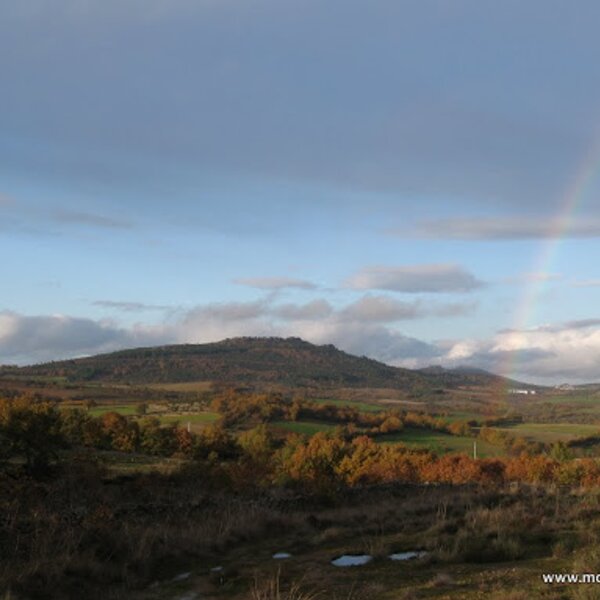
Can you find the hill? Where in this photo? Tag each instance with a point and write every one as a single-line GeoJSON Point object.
{"type": "Point", "coordinates": [246, 360]}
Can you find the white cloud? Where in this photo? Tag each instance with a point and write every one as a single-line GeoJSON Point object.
{"type": "Point", "coordinates": [552, 353]}
{"type": "Point", "coordinates": [415, 279]}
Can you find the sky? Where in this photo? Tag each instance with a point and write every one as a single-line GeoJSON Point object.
{"type": "Point", "coordinates": [414, 181]}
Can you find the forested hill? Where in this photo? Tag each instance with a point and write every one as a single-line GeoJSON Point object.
{"type": "Point", "coordinates": [290, 362]}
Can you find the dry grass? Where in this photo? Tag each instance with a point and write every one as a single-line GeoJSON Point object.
{"type": "Point", "coordinates": [442, 580]}
{"type": "Point", "coordinates": [272, 588]}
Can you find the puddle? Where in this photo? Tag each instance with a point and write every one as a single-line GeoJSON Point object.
{"type": "Point", "coordinates": [406, 555]}
{"type": "Point", "coordinates": [352, 560]}
{"type": "Point", "coordinates": [281, 555]}
{"type": "Point", "coordinates": [181, 576]}
{"type": "Point", "coordinates": [216, 569]}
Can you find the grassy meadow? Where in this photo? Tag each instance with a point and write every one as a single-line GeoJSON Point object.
{"type": "Point", "coordinates": [442, 443]}
{"type": "Point", "coordinates": [156, 526]}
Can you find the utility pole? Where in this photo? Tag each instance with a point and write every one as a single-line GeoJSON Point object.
{"type": "Point", "coordinates": [475, 450]}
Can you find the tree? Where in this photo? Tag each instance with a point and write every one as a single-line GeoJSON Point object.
{"type": "Point", "coordinates": [30, 429]}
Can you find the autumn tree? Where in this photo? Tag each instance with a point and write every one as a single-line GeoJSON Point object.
{"type": "Point", "coordinates": [30, 429]}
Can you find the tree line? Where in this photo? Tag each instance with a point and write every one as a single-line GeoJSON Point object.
{"type": "Point", "coordinates": [34, 434]}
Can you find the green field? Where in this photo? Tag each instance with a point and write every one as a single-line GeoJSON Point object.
{"type": "Point", "coordinates": [570, 399]}
{"type": "Point", "coordinates": [194, 418]}
{"type": "Point", "coordinates": [186, 386]}
{"type": "Point", "coordinates": [361, 406]}
{"type": "Point", "coordinates": [304, 427]}
{"type": "Point", "coordinates": [436, 441]}
{"type": "Point", "coordinates": [462, 416]}
{"type": "Point", "coordinates": [122, 409]}
{"type": "Point", "coordinates": [441, 443]}
{"type": "Point", "coordinates": [552, 432]}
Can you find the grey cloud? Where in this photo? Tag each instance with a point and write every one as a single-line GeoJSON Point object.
{"type": "Point", "coordinates": [361, 330]}
{"type": "Point", "coordinates": [275, 283]}
{"type": "Point", "coordinates": [555, 327]}
{"type": "Point", "coordinates": [581, 324]}
{"type": "Point", "coordinates": [454, 309]}
{"type": "Point", "coordinates": [503, 228]}
{"type": "Point", "coordinates": [375, 341]}
{"type": "Point", "coordinates": [128, 306]}
{"type": "Point", "coordinates": [380, 308]}
{"type": "Point", "coordinates": [89, 219]}
{"type": "Point", "coordinates": [317, 309]}
{"type": "Point", "coordinates": [228, 311]}
{"type": "Point", "coordinates": [42, 338]}
{"type": "Point", "coordinates": [415, 279]}
{"type": "Point", "coordinates": [569, 351]}
{"type": "Point", "coordinates": [306, 91]}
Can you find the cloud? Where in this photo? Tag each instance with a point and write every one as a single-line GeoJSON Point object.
{"type": "Point", "coordinates": [416, 124]}
{"type": "Point", "coordinates": [579, 324]}
{"type": "Point", "coordinates": [433, 278]}
{"type": "Point", "coordinates": [362, 327]}
{"type": "Point", "coordinates": [586, 283]}
{"type": "Point", "coordinates": [454, 309]}
{"type": "Point", "coordinates": [534, 277]}
{"type": "Point", "coordinates": [275, 283]}
{"type": "Point", "coordinates": [381, 308]}
{"type": "Point", "coordinates": [317, 309]}
{"type": "Point", "coordinates": [42, 338]}
{"type": "Point", "coordinates": [128, 306]}
{"type": "Point", "coordinates": [549, 354]}
{"type": "Point", "coordinates": [89, 219]}
{"type": "Point", "coordinates": [502, 228]}
{"type": "Point", "coordinates": [228, 311]}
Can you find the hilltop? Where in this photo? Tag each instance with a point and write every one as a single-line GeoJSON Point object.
{"type": "Point", "coordinates": [252, 361]}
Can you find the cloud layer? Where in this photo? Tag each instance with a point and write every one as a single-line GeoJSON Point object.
{"type": "Point", "coordinates": [364, 326]}
{"type": "Point", "coordinates": [569, 351]}
{"type": "Point", "coordinates": [504, 228]}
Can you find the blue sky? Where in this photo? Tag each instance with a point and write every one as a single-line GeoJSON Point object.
{"type": "Point", "coordinates": [382, 175]}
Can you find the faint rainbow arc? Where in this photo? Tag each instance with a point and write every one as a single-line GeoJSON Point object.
{"type": "Point", "coordinates": [559, 226]}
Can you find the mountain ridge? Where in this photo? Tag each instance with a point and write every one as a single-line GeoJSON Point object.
{"type": "Point", "coordinates": [251, 360]}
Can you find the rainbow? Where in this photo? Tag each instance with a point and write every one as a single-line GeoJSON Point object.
{"type": "Point", "coordinates": [559, 226]}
